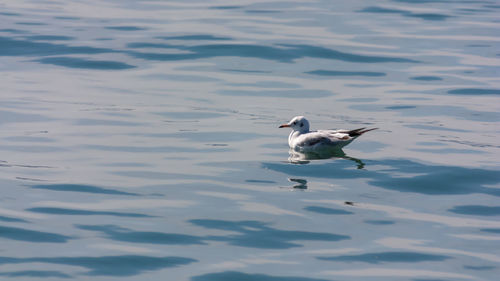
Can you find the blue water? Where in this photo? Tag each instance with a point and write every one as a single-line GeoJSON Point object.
{"type": "Point", "coordinates": [139, 140]}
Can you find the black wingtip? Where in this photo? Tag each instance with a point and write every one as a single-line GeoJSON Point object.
{"type": "Point", "coordinates": [359, 132]}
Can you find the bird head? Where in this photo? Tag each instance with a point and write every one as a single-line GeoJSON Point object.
{"type": "Point", "coordinates": [298, 123]}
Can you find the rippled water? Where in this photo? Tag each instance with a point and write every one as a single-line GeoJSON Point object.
{"type": "Point", "coordinates": [139, 140]}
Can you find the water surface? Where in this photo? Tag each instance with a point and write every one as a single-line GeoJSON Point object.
{"type": "Point", "coordinates": [139, 140]}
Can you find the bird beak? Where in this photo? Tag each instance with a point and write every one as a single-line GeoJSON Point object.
{"type": "Point", "coordinates": [284, 126]}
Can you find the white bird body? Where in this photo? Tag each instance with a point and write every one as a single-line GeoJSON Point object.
{"type": "Point", "coordinates": [314, 140]}
{"type": "Point", "coordinates": [303, 140]}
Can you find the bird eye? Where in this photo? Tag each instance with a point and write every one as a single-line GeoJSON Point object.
{"type": "Point", "coordinates": [295, 123]}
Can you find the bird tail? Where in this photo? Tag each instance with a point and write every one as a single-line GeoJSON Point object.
{"type": "Point", "coordinates": [359, 132]}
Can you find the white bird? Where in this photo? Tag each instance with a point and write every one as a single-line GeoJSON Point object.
{"type": "Point", "coordinates": [303, 140]}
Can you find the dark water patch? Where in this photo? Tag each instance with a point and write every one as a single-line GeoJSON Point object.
{"type": "Point", "coordinates": [177, 77]}
{"type": "Point", "coordinates": [379, 222]}
{"type": "Point", "coordinates": [479, 267]}
{"type": "Point", "coordinates": [260, 181]}
{"type": "Point", "coordinates": [119, 266]}
{"type": "Point", "coordinates": [281, 53]}
{"type": "Point", "coordinates": [5, 163]}
{"type": "Point", "coordinates": [491, 230]}
{"type": "Point", "coordinates": [103, 122]}
{"type": "Point", "coordinates": [381, 10]}
{"type": "Point", "coordinates": [384, 257]}
{"type": "Point", "coordinates": [126, 164]}
{"type": "Point", "coordinates": [364, 85]}
{"type": "Point", "coordinates": [75, 212]}
{"type": "Point", "coordinates": [424, 16]}
{"type": "Point", "coordinates": [35, 274]}
{"type": "Point", "coordinates": [241, 276]}
{"type": "Point", "coordinates": [33, 166]}
{"type": "Point", "coordinates": [360, 100]}
{"type": "Point", "coordinates": [399, 107]}
{"type": "Point", "coordinates": [66, 18]}
{"type": "Point", "coordinates": [125, 28]}
{"type": "Point", "coordinates": [327, 211]}
{"type": "Point", "coordinates": [426, 78]}
{"type": "Point", "coordinates": [217, 144]}
{"type": "Point", "coordinates": [321, 52]}
{"type": "Point", "coordinates": [428, 16]}
{"type": "Point", "coordinates": [191, 115]}
{"type": "Point", "coordinates": [429, 279]}
{"type": "Point", "coordinates": [255, 234]}
{"type": "Point", "coordinates": [242, 50]}
{"type": "Point", "coordinates": [82, 188]}
{"type": "Point", "coordinates": [14, 47]}
{"type": "Point", "coordinates": [478, 46]}
{"type": "Point", "coordinates": [49, 38]}
{"type": "Point", "coordinates": [474, 92]}
{"type": "Point", "coordinates": [245, 70]}
{"type": "Point", "coordinates": [9, 219]}
{"type": "Point", "coordinates": [139, 45]}
{"type": "Point", "coordinates": [226, 7]}
{"type": "Point", "coordinates": [215, 50]}
{"type": "Point", "coordinates": [346, 73]}
{"type": "Point", "coordinates": [435, 128]}
{"type": "Point", "coordinates": [267, 84]}
{"type": "Point", "coordinates": [31, 23]}
{"type": "Point", "coordinates": [422, 178]}
{"type": "Point", "coordinates": [428, 1]}
{"type": "Point", "coordinates": [196, 37]}
{"type": "Point", "coordinates": [476, 210]}
{"type": "Point", "coordinates": [9, 14]}
{"type": "Point", "coordinates": [14, 31]}
{"type": "Point", "coordinates": [117, 233]}
{"type": "Point", "coordinates": [469, 11]}
{"type": "Point", "coordinates": [297, 94]}
{"type": "Point", "coordinates": [262, 11]}
{"type": "Point", "coordinates": [21, 234]}
{"type": "Point", "coordinates": [85, 63]}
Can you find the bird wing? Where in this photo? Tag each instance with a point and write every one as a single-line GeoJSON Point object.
{"type": "Point", "coordinates": [324, 137]}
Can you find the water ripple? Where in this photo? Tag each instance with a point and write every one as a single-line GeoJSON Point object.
{"type": "Point", "coordinates": [235, 275]}
{"type": "Point", "coordinates": [82, 188]}
{"type": "Point", "coordinates": [257, 234]}
{"type": "Point", "coordinates": [127, 265]}
{"type": "Point", "coordinates": [21, 234]}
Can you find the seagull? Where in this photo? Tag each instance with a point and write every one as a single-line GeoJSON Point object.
{"type": "Point", "coordinates": [303, 140]}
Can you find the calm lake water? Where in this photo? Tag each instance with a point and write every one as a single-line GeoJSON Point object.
{"type": "Point", "coordinates": [139, 140]}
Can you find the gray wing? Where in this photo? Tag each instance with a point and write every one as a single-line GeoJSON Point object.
{"type": "Point", "coordinates": [323, 138]}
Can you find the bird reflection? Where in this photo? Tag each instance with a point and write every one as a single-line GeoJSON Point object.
{"type": "Point", "coordinates": [306, 157]}
{"type": "Point", "coordinates": [301, 183]}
